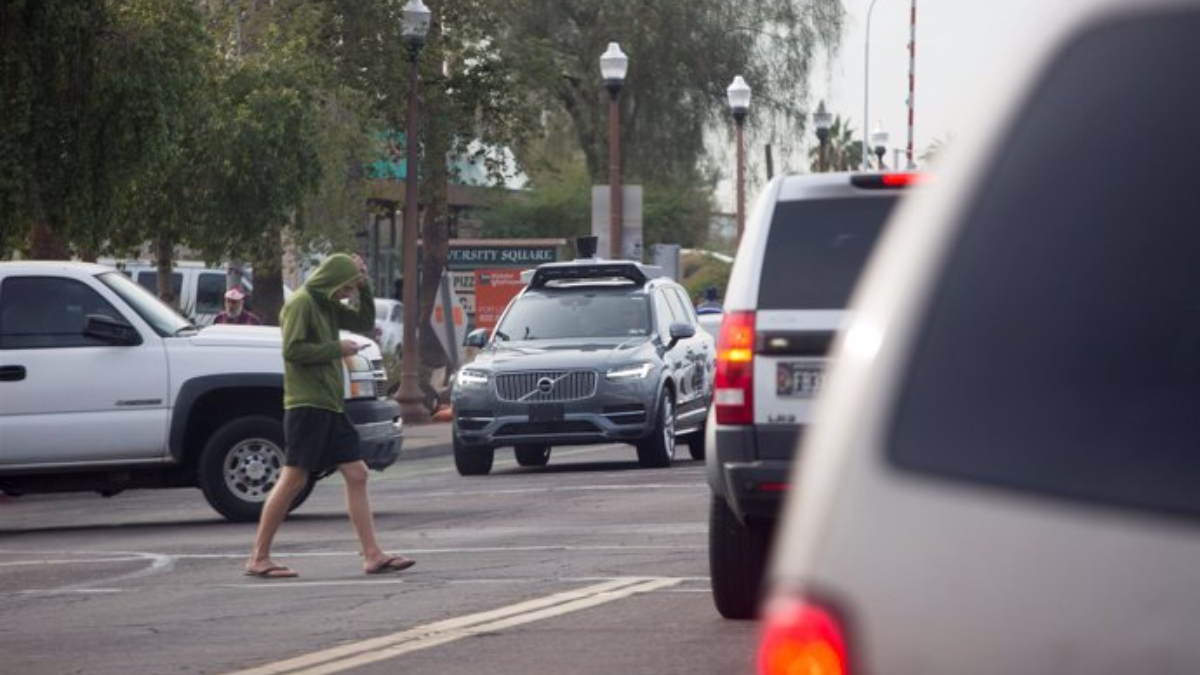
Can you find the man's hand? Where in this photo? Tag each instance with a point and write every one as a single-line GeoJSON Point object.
{"type": "Point", "coordinates": [349, 347]}
{"type": "Point", "coordinates": [365, 279]}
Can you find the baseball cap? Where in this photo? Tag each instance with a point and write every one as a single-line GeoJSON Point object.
{"type": "Point", "coordinates": [235, 294]}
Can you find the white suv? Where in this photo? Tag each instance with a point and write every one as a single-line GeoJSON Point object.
{"type": "Point", "coordinates": [803, 249]}
{"type": "Point", "coordinates": [1002, 475]}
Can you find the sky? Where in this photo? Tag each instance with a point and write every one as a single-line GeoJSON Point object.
{"type": "Point", "coordinates": [959, 44]}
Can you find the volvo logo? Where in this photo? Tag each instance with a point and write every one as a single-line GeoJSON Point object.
{"type": "Point", "coordinates": [545, 385]}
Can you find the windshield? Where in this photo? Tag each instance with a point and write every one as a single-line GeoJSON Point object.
{"type": "Point", "coordinates": [576, 315]}
{"type": "Point", "coordinates": [164, 320]}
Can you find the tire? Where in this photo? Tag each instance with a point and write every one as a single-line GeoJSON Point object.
{"type": "Point", "coordinates": [532, 455]}
{"type": "Point", "coordinates": [240, 464]}
{"type": "Point", "coordinates": [737, 556]}
{"type": "Point", "coordinates": [472, 461]}
{"type": "Point", "coordinates": [696, 442]}
{"type": "Point", "coordinates": [658, 451]}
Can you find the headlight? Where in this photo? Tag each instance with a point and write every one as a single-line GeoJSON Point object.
{"type": "Point", "coordinates": [468, 377]}
{"type": "Point", "coordinates": [361, 377]}
{"type": "Point", "coordinates": [637, 371]}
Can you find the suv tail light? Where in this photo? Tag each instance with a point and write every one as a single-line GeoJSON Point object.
{"type": "Point", "coordinates": [734, 380]}
{"type": "Point", "coordinates": [799, 637]}
{"type": "Point", "coordinates": [878, 181]}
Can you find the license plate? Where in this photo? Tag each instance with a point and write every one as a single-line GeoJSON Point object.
{"type": "Point", "coordinates": [546, 412]}
{"type": "Point", "coordinates": [799, 379]}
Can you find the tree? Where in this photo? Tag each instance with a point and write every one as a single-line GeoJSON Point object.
{"type": "Point", "coordinates": [682, 57]}
{"type": "Point", "coordinates": [291, 142]}
{"type": "Point", "coordinates": [92, 92]}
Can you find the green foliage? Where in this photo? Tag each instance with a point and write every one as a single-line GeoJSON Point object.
{"type": "Point", "coordinates": [92, 95]}
{"type": "Point", "coordinates": [676, 212]}
{"type": "Point", "coordinates": [558, 205]}
{"type": "Point", "coordinates": [699, 271]}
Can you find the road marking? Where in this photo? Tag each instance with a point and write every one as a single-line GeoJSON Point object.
{"type": "Point", "coordinates": [158, 563]}
{"type": "Point", "coordinates": [358, 654]}
{"type": "Point", "coordinates": [561, 488]}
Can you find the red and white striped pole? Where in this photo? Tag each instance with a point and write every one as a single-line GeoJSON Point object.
{"type": "Point", "coordinates": [912, 79]}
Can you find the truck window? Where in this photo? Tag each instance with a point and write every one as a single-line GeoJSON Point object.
{"type": "Point", "coordinates": [45, 312]}
{"type": "Point", "coordinates": [210, 292]}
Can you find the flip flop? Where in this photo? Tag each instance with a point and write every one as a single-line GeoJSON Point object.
{"type": "Point", "coordinates": [392, 564]}
{"type": "Point", "coordinates": [273, 572]}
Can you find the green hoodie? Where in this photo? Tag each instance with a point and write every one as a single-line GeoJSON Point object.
{"type": "Point", "coordinates": [311, 319]}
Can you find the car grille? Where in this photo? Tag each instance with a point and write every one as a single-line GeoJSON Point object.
{"type": "Point", "coordinates": [545, 428]}
{"type": "Point", "coordinates": [540, 386]}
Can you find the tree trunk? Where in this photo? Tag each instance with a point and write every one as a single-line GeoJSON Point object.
{"type": "Point", "coordinates": [268, 279]}
{"type": "Point", "coordinates": [164, 251]}
{"type": "Point", "coordinates": [45, 244]}
{"type": "Point", "coordinates": [435, 233]}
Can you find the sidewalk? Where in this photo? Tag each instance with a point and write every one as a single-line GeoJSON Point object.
{"type": "Point", "coordinates": [430, 439]}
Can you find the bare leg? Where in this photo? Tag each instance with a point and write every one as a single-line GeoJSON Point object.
{"type": "Point", "coordinates": [291, 481]}
{"type": "Point", "coordinates": [358, 505]}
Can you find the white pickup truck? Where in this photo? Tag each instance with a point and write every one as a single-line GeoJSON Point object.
{"type": "Point", "coordinates": [104, 388]}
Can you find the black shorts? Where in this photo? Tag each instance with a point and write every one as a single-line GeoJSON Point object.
{"type": "Point", "coordinates": [319, 439]}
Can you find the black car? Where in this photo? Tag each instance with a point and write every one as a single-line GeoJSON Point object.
{"type": "Point", "coordinates": [591, 351]}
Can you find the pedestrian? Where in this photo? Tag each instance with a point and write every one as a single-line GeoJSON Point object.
{"type": "Point", "coordinates": [235, 310]}
{"type": "Point", "coordinates": [710, 305]}
{"type": "Point", "coordinates": [317, 433]}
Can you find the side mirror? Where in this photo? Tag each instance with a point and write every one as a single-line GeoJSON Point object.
{"type": "Point", "coordinates": [110, 330]}
{"type": "Point", "coordinates": [680, 331]}
{"type": "Point", "coordinates": [478, 337]}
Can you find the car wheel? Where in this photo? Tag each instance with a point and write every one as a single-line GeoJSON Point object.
{"type": "Point", "coordinates": [696, 442]}
{"type": "Point", "coordinates": [737, 556]}
{"type": "Point", "coordinates": [532, 455]}
{"type": "Point", "coordinates": [240, 464]}
{"type": "Point", "coordinates": [658, 450]}
{"type": "Point", "coordinates": [472, 461]}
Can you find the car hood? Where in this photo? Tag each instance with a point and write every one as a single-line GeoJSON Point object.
{"type": "Point", "coordinates": [599, 354]}
{"type": "Point", "coordinates": [264, 337]}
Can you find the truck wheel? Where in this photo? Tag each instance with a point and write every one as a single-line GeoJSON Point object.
{"type": "Point", "coordinates": [532, 455]}
{"type": "Point", "coordinates": [240, 464]}
{"type": "Point", "coordinates": [472, 461]}
{"type": "Point", "coordinates": [657, 451]}
{"type": "Point", "coordinates": [737, 556]}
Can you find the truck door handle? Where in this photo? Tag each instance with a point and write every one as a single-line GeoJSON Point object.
{"type": "Point", "coordinates": [12, 373]}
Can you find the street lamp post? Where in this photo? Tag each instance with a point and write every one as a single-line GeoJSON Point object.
{"type": "Point", "coordinates": [879, 141]}
{"type": "Point", "coordinates": [867, 83]}
{"type": "Point", "coordinates": [823, 121]}
{"type": "Point", "coordinates": [739, 106]}
{"type": "Point", "coordinates": [414, 25]}
{"type": "Point", "coordinates": [613, 65]}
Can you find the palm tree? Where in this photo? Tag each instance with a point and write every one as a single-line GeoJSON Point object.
{"type": "Point", "coordinates": [843, 151]}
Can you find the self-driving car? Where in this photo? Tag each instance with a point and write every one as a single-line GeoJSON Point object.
{"type": "Point", "coordinates": [589, 352]}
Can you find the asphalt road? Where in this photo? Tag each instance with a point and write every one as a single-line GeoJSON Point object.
{"type": "Point", "coordinates": [590, 565]}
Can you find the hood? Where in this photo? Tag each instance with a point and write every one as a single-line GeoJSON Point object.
{"type": "Point", "coordinates": [599, 354]}
{"type": "Point", "coordinates": [338, 270]}
{"type": "Point", "coordinates": [230, 335]}
{"type": "Point", "coordinates": [265, 337]}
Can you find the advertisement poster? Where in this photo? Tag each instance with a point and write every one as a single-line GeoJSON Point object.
{"type": "Point", "coordinates": [493, 290]}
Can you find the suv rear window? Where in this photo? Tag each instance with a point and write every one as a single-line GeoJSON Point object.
{"type": "Point", "coordinates": [1061, 354]}
{"type": "Point", "coordinates": [817, 248]}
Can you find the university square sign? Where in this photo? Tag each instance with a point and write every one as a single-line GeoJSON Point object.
{"type": "Point", "coordinates": [465, 258]}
